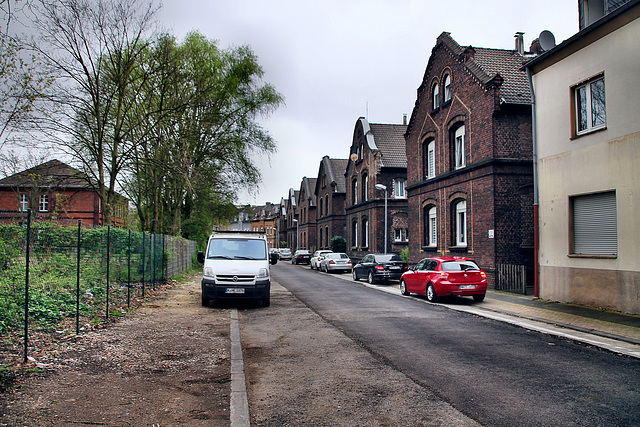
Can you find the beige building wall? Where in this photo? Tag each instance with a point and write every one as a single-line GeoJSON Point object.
{"type": "Point", "coordinates": [604, 160]}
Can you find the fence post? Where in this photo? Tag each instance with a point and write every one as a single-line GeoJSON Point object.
{"type": "Point", "coordinates": [108, 262]}
{"type": "Point", "coordinates": [143, 263]}
{"type": "Point", "coordinates": [26, 288]}
{"type": "Point", "coordinates": [152, 258]}
{"type": "Point", "coordinates": [78, 282]}
{"type": "Point", "coordinates": [129, 271]}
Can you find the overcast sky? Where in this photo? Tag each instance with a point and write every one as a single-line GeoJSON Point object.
{"type": "Point", "coordinates": [337, 60]}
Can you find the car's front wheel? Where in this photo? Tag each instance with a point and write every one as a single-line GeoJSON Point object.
{"type": "Point", "coordinates": [403, 288]}
{"type": "Point", "coordinates": [431, 293]}
{"type": "Point", "coordinates": [354, 275]}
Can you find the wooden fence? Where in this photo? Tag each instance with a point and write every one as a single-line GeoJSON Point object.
{"type": "Point", "coordinates": [511, 278]}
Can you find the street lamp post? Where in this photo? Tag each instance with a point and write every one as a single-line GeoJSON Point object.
{"type": "Point", "coordinates": [386, 231]}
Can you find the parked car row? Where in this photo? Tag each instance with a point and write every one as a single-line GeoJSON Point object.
{"type": "Point", "coordinates": [431, 277]}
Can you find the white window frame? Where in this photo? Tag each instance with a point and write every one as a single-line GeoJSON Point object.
{"type": "Point", "coordinates": [365, 185]}
{"type": "Point", "coordinates": [458, 141]}
{"type": "Point", "coordinates": [365, 233]}
{"type": "Point", "coordinates": [587, 107]}
{"type": "Point", "coordinates": [354, 234]}
{"type": "Point", "coordinates": [43, 203]}
{"type": "Point", "coordinates": [355, 191]}
{"type": "Point", "coordinates": [399, 190]}
{"type": "Point", "coordinates": [436, 96]}
{"type": "Point", "coordinates": [431, 159]}
{"type": "Point", "coordinates": [23, 202]}
{"type": "Point", "coordinates": [432, 230]}
{"type": "Point", "coordinates": [401, 235]}
{"type": "Point", "coordinates": [461, 223]}
{"type": "Point", "coordinates": [447, 88]}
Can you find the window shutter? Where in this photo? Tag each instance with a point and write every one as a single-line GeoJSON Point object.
{"type": "Point", "coordinates": [595, 224]}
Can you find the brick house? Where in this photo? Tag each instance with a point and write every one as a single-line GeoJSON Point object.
{"type": "Point", "coordinates": [469, 158]}
{"type": "Point", "coordinates": [292, 225]}
{"type": "Point", "coordinates": [264, 220]}
{"type": "Point", "coordinates": [282, 222]}
{"type": "Point", "coordinates": [330, 192]}
{"type": "Point", "coordinates": [377, 156]}
{"type": "Point", "coordinates": [307, 213]}
{"type": "Point", "coordinates": [55, 190]}
{"type": "Point", "coordinates": [587, 92]}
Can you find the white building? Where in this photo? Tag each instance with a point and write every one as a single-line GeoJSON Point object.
{"type": "Point", "coordinates": [587, 134]}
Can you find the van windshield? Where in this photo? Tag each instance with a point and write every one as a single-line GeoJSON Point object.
{"type": "Point", "coordinates": [237, 249]}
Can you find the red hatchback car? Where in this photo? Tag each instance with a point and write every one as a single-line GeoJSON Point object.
{"type": "Point", "coordinates": [444, 276]}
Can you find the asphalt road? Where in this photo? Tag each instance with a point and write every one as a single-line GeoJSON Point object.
{"type": "Point", "coordinates": [495, 373]}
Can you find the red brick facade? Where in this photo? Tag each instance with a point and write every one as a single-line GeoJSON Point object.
{"type": "Point", "coordinates": [330, 192]}
{"type": "Point", "coordinates": [377, 156]}
{"type": "Point", "coordinates": [54, 190]}
{"type": "Point", "coordinates": [307, 213]}
{"type": "Point", "coordinates": [469, 158]}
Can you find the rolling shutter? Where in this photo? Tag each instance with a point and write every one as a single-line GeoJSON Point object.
{"type": "Point", "coordinates": [595, 225]}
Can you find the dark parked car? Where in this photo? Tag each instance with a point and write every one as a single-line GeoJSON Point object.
{"type": "Point", "coordinates": [444, 276]}
{"type": "Point", "coordinates": [378, 267]}
{"type": "Point", "coordinates": [302, 256]}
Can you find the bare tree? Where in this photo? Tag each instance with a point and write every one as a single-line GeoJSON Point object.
{"type": "Point", "coordinates": [93, 49]}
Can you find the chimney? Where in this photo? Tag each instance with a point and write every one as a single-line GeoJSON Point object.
{"type": "Point", "coordinates": [520, 42]}
{"type": "Point", "coordinates": [404, 119]}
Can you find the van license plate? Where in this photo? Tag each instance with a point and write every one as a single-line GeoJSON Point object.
{"type": "Point", "coordinates": [235, 291]}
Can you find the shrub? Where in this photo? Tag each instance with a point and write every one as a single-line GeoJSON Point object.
{"type": "Point", "coordinates": [338, 244]}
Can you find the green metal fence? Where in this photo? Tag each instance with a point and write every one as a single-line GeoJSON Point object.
{"type": "Point", "coordinates": [51, 273]}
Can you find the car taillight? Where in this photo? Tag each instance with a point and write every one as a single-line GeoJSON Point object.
{"type": "Point", "coordinates": [332, 262]}
{"type": "Point", "coordinates": [349, 262]}
{"type": "Point", "coordinates": [379, 267]}
{"type": "Point", "coordinates": [405, 268]}
{"type": "Point", "coordinates": [483, 274]}
{"type": "Point", "coordinates": [444, 276]}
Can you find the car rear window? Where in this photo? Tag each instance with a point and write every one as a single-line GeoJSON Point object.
{"type": "Point", "coordinates": [387, 258]}
{"type": "Point", "coordinates": [459, 265]}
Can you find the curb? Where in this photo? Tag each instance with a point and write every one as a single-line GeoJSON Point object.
{"type": "Point", "coordinates": [239, 404]}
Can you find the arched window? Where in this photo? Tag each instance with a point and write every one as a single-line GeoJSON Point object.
{"type": "Point", "coordinates": [458, 147]}
{"type": "Point", "coordinates": [447, 88]}
{"type": "Point", "coordinates": [354, 191]}
{"type": "Point", "coordinates": [429, 158]}
{"type": "Point", "coordinates": [321, 210]}
{"type": "Point", "coordinates": [460, 222]}
{"type": "Point", "coordinates": [436, 96]}
{"type": "Point", "coordinates": [365, 233]}
{"type": "Point", "coordinates": [365, 186]}
{"type": "Point", "coordinates": [354, 234]}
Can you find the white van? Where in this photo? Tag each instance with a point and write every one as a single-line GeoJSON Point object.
{"type": "Point", "coordinates": [236, 265]}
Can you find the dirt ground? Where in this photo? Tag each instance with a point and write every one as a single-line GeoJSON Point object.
{"type": "Point", "coordinates": [167, 363]}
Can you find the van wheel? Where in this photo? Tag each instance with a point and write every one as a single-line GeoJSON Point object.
{"type": "Point", "coordinates": [266, 302]}
{"type": "Point", "coordinates": [205, 302]}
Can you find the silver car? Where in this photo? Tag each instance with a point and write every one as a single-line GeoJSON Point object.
{"type": "Point", "coordinates": [335, 261]}
{"type": "Point", "coordinates": [317, 257]}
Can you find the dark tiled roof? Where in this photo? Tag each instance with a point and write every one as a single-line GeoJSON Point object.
{"type": "Point", "coordinates": [335, 172]}
{"type": "Point", "coordinates": [389, 138]}
{"type": "Point", "coordinates": [52, 174]}
{"type": "Point", "coordinates": [485, 64]}
{"type": "Point", "coordinates": [309, 185]}
{"type": "Point", "coordinates": [507, 63]}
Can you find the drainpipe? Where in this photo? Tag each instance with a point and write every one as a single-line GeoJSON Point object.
{"type": "Point", "coordinates": [536, 240]}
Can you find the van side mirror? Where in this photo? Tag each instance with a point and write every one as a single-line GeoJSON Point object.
{"type": "Point", "coordinates": [201, 257]}
{"type": "Point", "coordinates": [273, 258]}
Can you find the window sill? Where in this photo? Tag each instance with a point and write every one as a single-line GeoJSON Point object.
{"type": "Point", "coordinates": [430, 248]}
{"type": "Point", "coordinates": [588, 132]}
{"type": "Point", "coordinates": [592, 256]}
